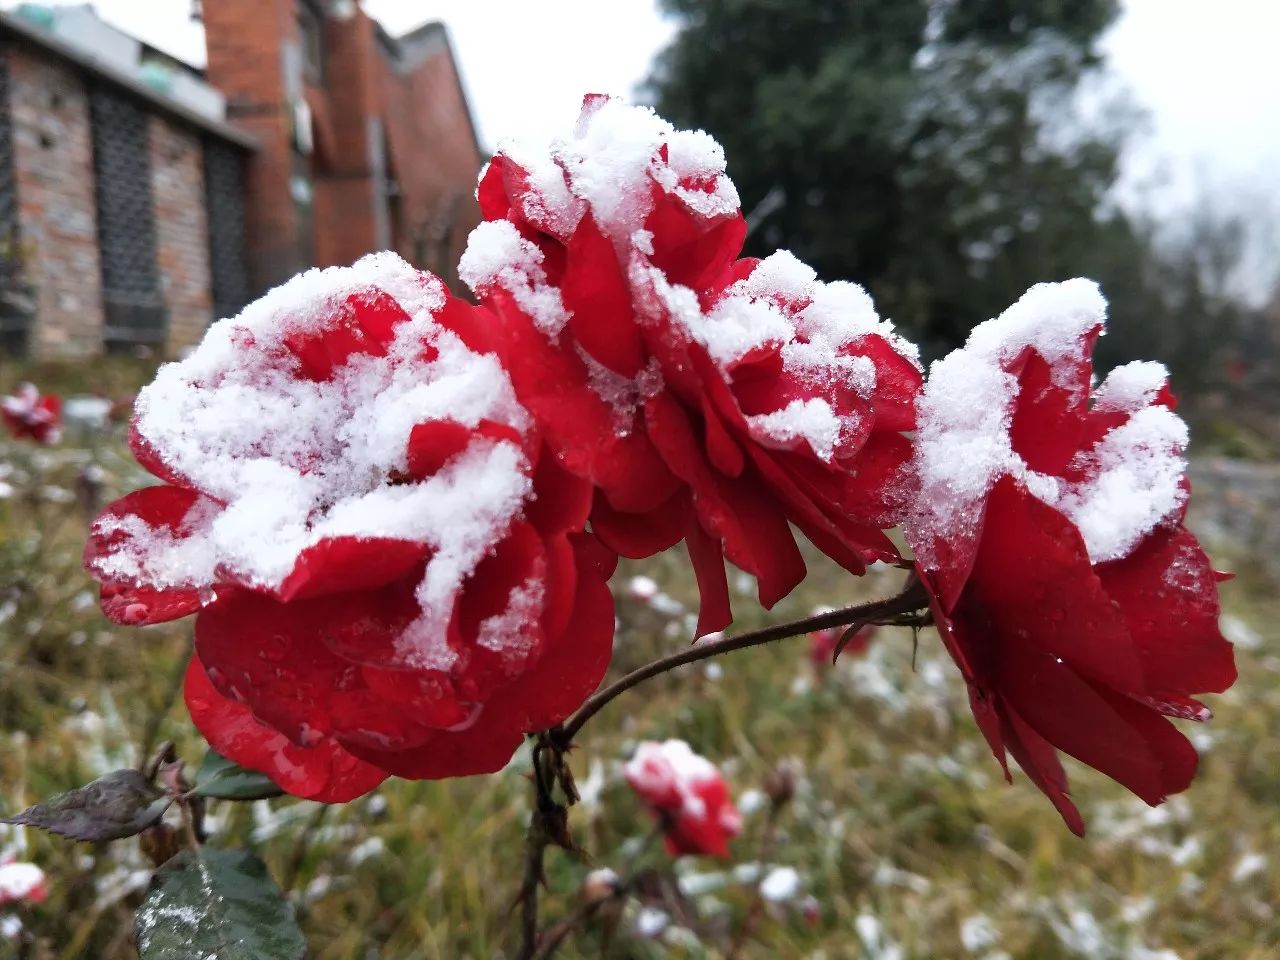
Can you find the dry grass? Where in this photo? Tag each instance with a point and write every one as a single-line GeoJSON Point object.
{"type": "Point", "coordinates": [902, 818]}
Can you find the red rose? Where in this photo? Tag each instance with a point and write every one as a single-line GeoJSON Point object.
{"type": "Point", "coordinates": [1049, 530]}
{"type": "Point", "coordinates": [22, 882]}
{"type": "Point", "coordinates": [687, 794]}
{"type": "Point", "coordinates": [29, 416]}
{"type": "Point", "coordinates": [711, 400]}
{"type": "Point", "coordinates": [390, 575]}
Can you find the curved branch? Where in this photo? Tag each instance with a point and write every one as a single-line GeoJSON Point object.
{"type": "Point", "coordinates": [913, 598]}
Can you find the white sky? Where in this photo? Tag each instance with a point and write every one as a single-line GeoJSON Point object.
{"type": "Point", "coordinates": [1206, 71]}
{"type": "Point", "coordinates": [1209, 73]}
{"type": "Point", "coordinates": [527, 63]}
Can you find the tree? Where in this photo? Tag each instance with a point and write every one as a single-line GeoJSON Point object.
{"type": "Point", "coordinates": [937, 152]}
{"type": "Point", "coordinates": [807, 99]}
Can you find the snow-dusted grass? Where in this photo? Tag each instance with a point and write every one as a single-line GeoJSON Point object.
{"type": "Point", "coordinates": [901, 828]}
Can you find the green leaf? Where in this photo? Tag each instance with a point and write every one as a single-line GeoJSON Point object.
{"type": "Point", "coordinates": [216, 905]}
{"type": "Point", "coordinates": [222, 779]}
{"type": "Point", "coordinates": [121, 804]}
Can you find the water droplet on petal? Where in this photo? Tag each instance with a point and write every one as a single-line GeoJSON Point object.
{"type": "Point", "coordinates": [272, 652]}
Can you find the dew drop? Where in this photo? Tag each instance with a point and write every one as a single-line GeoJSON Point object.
{"type": "Point", "coordinates": [309, 736]}
{"type": "Point", "coordinates": [273, 652]}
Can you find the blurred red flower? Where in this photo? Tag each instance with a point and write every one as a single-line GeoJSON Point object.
{"type": "Point", "coordinates": [687, 794]}
{"type": "Point", "coordinates": [29, 416]}
{"type": "Point", "coordinates": [22, 883]}
{"type": "Point", "coordinates": [391, 576]}
{"type": "Point", "coordinates": [1049, 530]}
{"type": "Point", "coordinates": [708, 399]}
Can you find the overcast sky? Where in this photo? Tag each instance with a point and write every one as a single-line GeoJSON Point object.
{"type": "Point", "coordinates": [1206, 71]}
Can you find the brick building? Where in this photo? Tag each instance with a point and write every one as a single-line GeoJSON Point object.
{"type": "Point", "coordinates": [140, 197]}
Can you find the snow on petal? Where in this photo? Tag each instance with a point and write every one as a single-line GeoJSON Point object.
{"type": "Point", "coordinates": [498, 257]}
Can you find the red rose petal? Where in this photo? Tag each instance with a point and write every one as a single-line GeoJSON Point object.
{"type": "Point", "coordinates": [597, 294]}
{"type": "Point", "coordinates": [124, 602]}
{"type": "Point", "coordinates": [325, 772]}
{"type": "Point", "coordinates": [1038, 759]}
{"type": "Point", "coordinates": [562, 501]}
{"type": "Point", "coordinates": [714, 608]}
{"type": "Point", "coordinates": [363, 323]}
{"type": "Point", "coordinates": [349, 564]}
{"type": "Point", "coordinates": [272, 656]}
{"type": "Point", "coordinates": [1033, 586]}
{"type": "Point", "coordinates": [688, 248]}
{"type": "Point", "coordinates": [570, 668]}
{"type": "Point", "coordinates": [433, 443]}
{"type": "Point", "coordinates": [638, 536]}
{"type": "Point", "coordinates": [898, 383]}
{"type": "Point", "coordinates": [722, 450]}
{"type": "Point", "coordinates": [1167, 592]}
{"type": "Point", "coordinates": [1049, 414]}
{"type": "Point", "coordinates": [150, 459]}
{"type": "Point", "coordinates": [492, 190]}
{"type": "Point", "coordinates": [574, 660]}
{"type": "Point", "coordinates": [1078, 718]}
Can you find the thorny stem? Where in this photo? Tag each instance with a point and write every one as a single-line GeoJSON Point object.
{"type": "Point", "coordinates": [911, 600]}
{"type": "Point", "coordinates": [172, 688]}
{"type": "Point", "coordinates": [552, 939]}
{"type": "Point", "coordinates": [188, 826]}
{"type": "Point", "coordinates": [546, 826]}
{"type": "Point", "coordinates": [168, 768]}
{"type": "Point", "coordinates": [555, 937]}
{"type": "Point", "coordinates": [768, 840]}
{"type": "Point", "coordinates": [535, 847]}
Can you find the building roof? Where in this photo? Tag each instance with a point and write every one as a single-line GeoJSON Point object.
{"type": "Point", "coordinates": [19, 29]}
{"type": "Point", "coordinates": [411, 50]}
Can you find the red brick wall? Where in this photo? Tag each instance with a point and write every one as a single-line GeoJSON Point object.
{"type": "Point", "coordinates": [53, 166]}
{"type": "Point", "coordinates": [182, 231]}
{"type": "Point", "coordinates": [248, 42]}
{"type": "Point", "coordinates": [436, 160]}
{"type": "Point", "coordinates": [345, 222]}
{"type": "Point", "coordinates": [377, 120]}
{"type": "Point", "coordinates": [365, 107]}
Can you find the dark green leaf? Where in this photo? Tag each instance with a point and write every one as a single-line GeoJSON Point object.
{"type": "Point", "coordinates": [121, 804]}
{"type": "Point", "coordinates": [216, 905]}
{"type": "Point", "coordinates": [222, 779]}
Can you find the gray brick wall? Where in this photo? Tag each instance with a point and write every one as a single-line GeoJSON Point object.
{"type": "Point", "coordinates": [182, 231]}
{"type": "Point", "coordinates": [53, 169]}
